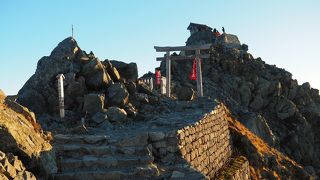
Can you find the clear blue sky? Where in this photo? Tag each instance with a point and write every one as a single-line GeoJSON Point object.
{"type": "Point", "coordinates": [285, 33]}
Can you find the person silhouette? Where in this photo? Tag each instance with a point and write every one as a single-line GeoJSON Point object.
{"type": "Point", "coordinates": [223, 30]}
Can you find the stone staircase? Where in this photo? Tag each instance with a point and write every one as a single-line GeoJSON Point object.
{"type": "Point", "coordinates": [100, 157]}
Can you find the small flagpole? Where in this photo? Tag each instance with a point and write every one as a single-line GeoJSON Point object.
{"type": "Point", "coordinates": [72, 31]}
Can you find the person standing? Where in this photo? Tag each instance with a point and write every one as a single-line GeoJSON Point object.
{"type": "Point", "coordinates": [223, 30]}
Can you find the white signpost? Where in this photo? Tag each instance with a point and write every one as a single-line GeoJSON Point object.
{"type": "Point", "coordinates": [163, 85]}
{"type": "Point", "coordinates": [60, 78]}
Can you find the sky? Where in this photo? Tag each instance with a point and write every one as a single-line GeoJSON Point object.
{"type": "Point", "coordinates": [284, 33]}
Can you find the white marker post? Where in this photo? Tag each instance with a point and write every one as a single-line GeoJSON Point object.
{"type": "Point", "coordinates": [151, 83]}
{"type": "Point", "coordinates": [60, 78]}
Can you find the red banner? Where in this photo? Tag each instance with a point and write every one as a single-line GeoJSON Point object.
{"type": "Point", "coordinates": [158, 77]}
{"type": "Point", "coordinates": [193, 74]}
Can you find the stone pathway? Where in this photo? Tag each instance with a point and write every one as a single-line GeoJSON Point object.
{"type": "Point", "coordinates": [124, 153]}
{"type": "Point", "coordinates": [100, 157]}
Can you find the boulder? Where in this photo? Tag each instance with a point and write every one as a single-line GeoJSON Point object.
{"type": "Point", "coordinates": [285, 108]}
{"type": "Point", "coordinates": [141, 97]}
{"type": "Point", "coordinates": [93, 103]}
{"type": "Point", "coordinates": [29, 115]}
{"type": "Point", "coordinates": [12, 168]}
{"type": "Point", "coordinates": [257, 102]}
{"type": "Point", "coordinates": [95, 75]}
{"type": "Point", "coordinates": [229, 41]}
{"type": "Point", "coordinates": [20, 134]}
{"type": "Point", "coordinates": [116, 115]}
{"type": "Point", "coordinates": [143, 88]}
{"type": "Point", "coordinates": [126, 71]}
{"type": "Point", "coordinates": [112, 71]}
{"type": "Point", "coordinates": [259, 126]}
{"type": "Point", "coordinates": [117, 95]}
{"type": "Point", "coordinates": [98, 118]}
{"type": "Point", "coordinates": [131, 87]}
{"type": "Point", "coordinates": [40, 86]}
{"type": "Point", "coordinates": [67, 49]}
{"type": "Point", "coordinates": [185, 93]}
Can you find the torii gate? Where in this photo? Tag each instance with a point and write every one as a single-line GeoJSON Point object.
{"type": "Point", "coordinates": [197, 56]}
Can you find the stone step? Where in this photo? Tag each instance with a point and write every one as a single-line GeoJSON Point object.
{"type": "Point", "coordinates": [81, 139]}
{"type": "Point", "coordinates": [76, 150]}
{"type": "Point", "coordinates": [137, 173]}
{"type": "Point", "coordinates": [101, 163]}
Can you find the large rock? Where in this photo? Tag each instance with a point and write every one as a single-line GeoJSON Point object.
{"type": "Point", "coordinates": [39, 93]}
{"type": "Point", "coordinates": [12, 168]}
{"type": "Point", "coordinates": [285, 108]}
{"type": "Point", "coordinates": [229, 41]}
{"type": "Point", "coordinates": [96, 75]}
{"type": "Point", "coordinates": [185, 93]}
{"type": "Point", "coordinates": [126, 71]}
{"type": "Point", "coordinates": [259, 126]}
{"type": "Point", "coordinates": [117, 95]}
{"type": "Point", "coordinates": [112, 71]}
{"type": "Point", "coordinates": [116, 115]}
{"type": "Point", "coordinates": [67, 49]}
{"type": "Point", "coordinates": [21, 135]}
{"type": "Point", "coordinates": [93, 103]}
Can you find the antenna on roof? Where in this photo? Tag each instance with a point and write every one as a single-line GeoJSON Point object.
{"type": "Point", "coordinates": [72, 31]}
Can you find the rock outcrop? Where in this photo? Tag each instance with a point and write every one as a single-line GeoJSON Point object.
{"type": "Point", "coordinates": [12, 168]}
{"type": "Point", "coordinates": [263, 97]}
{"type": "Point", "coordinates": [84, 74]}
{"type": "Point", "coordinates": [22, 136]}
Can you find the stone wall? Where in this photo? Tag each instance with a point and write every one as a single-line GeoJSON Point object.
{"type": "Point", "coordinates": [206, 145]}
{"type": "Point", "coordinates": [203, 148]}
{"type": "Point", "coordinates": [238, 168]}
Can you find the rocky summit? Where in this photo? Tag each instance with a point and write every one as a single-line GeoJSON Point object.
{"type": "Point", "coordinates": [254, 121]}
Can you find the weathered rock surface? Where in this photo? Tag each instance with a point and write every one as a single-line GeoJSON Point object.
{"type": "Point", "coordinates": [186, 94]}
{"type": "Point", "coordinates": [117, 95]}
{"type": "Point", "coordinates": [126, 71]}
{"type": "Point", "coordinates": [22, 136]}
{"type": "Point", "coordinates": [12, 168]}
{"type": "Point", "coordinates": [282, 112]}
{"type": "Point", "coordinates": [84, 74]}
{"type": "Point", "coordinates": [96, 75]}
{"type": "Point", "coordinates": [93, 103]}
{"type": "Point", "coordinates": [116, 115]}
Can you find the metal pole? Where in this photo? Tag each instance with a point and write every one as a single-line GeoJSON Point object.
{"type": "Point", "coordinates": [199, 74]}
{"type": "Point", "coordinates": [72, 31]}
{"type": "Point", "coordinates": [168, 73]}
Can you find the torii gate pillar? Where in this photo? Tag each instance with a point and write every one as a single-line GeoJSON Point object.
{"type": "Point", "coordinates": [168, 74]}
{"type": "Point", "coordinates": [199, 74]}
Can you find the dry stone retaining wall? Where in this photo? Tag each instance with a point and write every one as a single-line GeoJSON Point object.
{"type": "Point", "coordinates": [237, 169]}
{"type": "Point", "coordinates": [206, 145]}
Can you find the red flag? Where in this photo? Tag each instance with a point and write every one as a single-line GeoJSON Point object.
{"type": "Point", "coordinates": [193, 74]}
{"type": "Point", "coordinates": [158, 77]}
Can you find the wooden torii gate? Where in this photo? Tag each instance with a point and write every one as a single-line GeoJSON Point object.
{"type": "Point", "coordinates": [198, 56]}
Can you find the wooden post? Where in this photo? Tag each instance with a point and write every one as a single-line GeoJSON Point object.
{"type": "Point", "coordinates": [168, 73]}
{"type": "Point", "coordinates": [199, 74]}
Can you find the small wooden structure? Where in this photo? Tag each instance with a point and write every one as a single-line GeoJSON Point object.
{"type": "Point", "coordinates": [198, 56]}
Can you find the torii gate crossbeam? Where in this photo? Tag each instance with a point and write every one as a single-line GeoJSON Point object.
{"type": "Point", "coordinates": [197, 56]}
